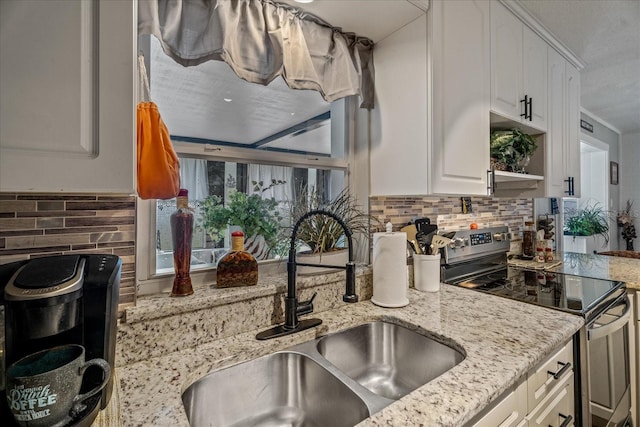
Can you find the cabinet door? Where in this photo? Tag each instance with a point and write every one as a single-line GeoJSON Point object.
{"type": "Point", "coordinates": [67, 107]}
{"type": "Point", "coordinates": [506, 62]}
{"type": "Point", "coordinates": [460, 92]}
{"type": "Point", "coordinates": [510, 411]}
{"type": "Point", "coordinates": [534, 77]}
{"type": "Point", "coordinates": [398, 151]}
{"type": "Point", "coordinates": [557, 408]}
{"type": "Point", "coordinates": [555, 171]}
{"type": "Point", "coordinates": [542, 381]}
{"type": "Point", "coordinates": [572, 121]}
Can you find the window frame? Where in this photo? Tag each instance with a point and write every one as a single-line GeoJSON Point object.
{"type": "Point", "coordinates": [148, 281]}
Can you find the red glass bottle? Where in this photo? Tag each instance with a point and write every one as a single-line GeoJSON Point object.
{"type": "Point", "coordinates": [182, 232]}
{"type": "Point", "coordinates": [237, 267]}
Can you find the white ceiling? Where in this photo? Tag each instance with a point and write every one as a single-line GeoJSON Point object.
{"type": "Point", "coordinates": [604, 34]}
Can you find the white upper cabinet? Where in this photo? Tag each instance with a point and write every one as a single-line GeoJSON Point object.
{"type": "Point", "coordinates": [572, 163]}
{"type": "Point", "coordinates": [430, 127]}
{"type": "Point", "coordinates": [518, 70]}
{"type": "Point", "coordinates": [67, 109]}
{"type": "Point", "coordinates": [460, 90]}
{"type": "Point", "coordinates": [563, 153]}
{"type": "Point", "coordinates": [398, 153]}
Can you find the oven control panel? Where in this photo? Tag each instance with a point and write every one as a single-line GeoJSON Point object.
{"type": "Point", "coordinates": [480, 239]}
{"type": "Point", "coordinates": [471, 244]}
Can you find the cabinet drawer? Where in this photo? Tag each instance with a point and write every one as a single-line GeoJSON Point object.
{"type": "Point", "coordinates": [557, 409]}
{"type": "Point", "coordinates": [548, 374]}
{"type": "Point", "coordinates": [510, 411]}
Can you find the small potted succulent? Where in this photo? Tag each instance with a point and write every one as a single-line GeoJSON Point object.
{"type": "Point", "coordinates": [511, 150]}
{"type": "Point", "coordinates": [258, 217]}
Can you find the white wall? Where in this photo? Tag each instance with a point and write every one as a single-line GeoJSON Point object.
{"type": "Point", "coordinates": [630, 175]}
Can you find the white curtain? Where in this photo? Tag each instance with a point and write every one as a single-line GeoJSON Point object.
{"type": "Point", "coordinates": [265, 173]}
{"type": "Point", "coordinates": [261, 40]}
{"type": "Point", "coordinates": [193, 176]}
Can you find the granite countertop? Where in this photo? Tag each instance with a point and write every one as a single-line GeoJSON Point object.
{"type": "Point", "coordinates": [502, 340]}
{"type": "Point", "coordinates": [592, 265]}
{"type": "Point", "coordinates": [601, 267]}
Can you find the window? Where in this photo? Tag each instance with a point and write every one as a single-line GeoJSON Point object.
{"type": "Point", "coordinates": [229, 133]}
{"type": "Point", "coordinates": [204, 178]}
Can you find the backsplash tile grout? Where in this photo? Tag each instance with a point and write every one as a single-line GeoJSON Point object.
{"type": "Point", "coordinates": [37, 225]}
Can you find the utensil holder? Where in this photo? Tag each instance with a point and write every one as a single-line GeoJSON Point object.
{"type": "Point", "coordinates": [426, 272]}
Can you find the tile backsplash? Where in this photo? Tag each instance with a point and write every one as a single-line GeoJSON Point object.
{"type": "Point", "coordinates": [35, 225]}
{"type": "Point", "coordinates": [446, 211]}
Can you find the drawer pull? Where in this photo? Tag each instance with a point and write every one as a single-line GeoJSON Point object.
{"type": "Point", "coordinates": [567, 420]}
{"type": "Point", "coordinates": [560, 373]}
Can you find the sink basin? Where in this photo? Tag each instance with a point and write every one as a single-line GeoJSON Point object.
{"type": "Point", "coordinates": [388, 359]}
{"type": "Point", "coordinates": [279, 389]}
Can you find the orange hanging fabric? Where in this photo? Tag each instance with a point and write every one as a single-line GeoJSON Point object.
{"type": "Point", "coordinates": [158, 173]}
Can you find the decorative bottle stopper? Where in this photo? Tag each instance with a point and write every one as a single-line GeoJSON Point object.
{"type": "Point", "coordinates": [181, 233]}
{"type": "Point", "coordinates": [237, 267]}
{"type": "Point", "coordinates": [389, 227]}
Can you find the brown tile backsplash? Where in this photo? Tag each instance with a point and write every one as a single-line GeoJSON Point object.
{"type": "Point", "coordinates": [36, 225]}
{"type": "Point", "coordinates": [447, 211]}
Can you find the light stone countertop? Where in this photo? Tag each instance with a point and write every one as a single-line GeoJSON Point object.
{"type": "Point", "coordinates": [601, 267]}
{"type": "Point", "coordinates": [590, 265]}
{"type": "Point", "coordinates": [502, 340]}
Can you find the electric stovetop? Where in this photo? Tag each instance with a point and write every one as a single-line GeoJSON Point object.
{"type": "Point", "coordinates": [575, 294]}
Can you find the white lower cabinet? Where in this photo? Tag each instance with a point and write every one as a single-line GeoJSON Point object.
{"type": "Point", "coordinates": [510, 412]}
{"type": "Point", "coordinates": [557, 409]}
{"type": "Point", "coordinates": [544, 397]}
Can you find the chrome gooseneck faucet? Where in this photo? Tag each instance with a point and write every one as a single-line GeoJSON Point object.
{"type": "Point", "coordinates": [293, 308]}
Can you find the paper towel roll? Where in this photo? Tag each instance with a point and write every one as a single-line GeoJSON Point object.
{"type": "Point", "coordinates": [390, 277]}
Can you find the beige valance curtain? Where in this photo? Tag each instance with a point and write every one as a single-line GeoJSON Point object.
{"type": "Point", "coordinates": [262, 39]}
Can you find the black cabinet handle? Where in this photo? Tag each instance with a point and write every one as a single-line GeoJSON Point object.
{"type": "Point", "coordinates": [530, 102]}
{"type": "Point", "coordinates": [526, 107]}
{"type": "Point", "coordinates": [557, 375]}
{"type": "Point", "coordinates": [570, 191]}
{"type": "Point", "coordinates": [567, 420]}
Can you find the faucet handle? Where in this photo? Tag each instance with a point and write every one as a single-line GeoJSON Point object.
{"type": "Point", "coordinates": [306, 307]}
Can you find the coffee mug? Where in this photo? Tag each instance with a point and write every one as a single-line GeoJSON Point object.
{"type": "Point", "coordinates": [43, 388]}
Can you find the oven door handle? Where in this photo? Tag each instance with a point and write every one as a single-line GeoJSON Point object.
{"type": "Point", "coordinates": [609, 328]}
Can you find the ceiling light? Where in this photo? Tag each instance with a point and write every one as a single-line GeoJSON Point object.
{"type": "Point", "coordinates": [227, 99]}
{"type": "Point", "coordinates": [293, 114]}
{"type": "Point", "coordinates": [303, 1]}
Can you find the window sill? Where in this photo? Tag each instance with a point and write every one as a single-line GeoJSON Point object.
{"type": "Point", "coordinates": [271, 282]}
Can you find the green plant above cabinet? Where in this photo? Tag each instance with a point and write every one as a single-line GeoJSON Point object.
{"type": "Point", "coordinates": [512, 149]}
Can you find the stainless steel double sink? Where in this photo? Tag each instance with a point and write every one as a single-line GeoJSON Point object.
{"type": "Point", "coordinates": [336, 380]}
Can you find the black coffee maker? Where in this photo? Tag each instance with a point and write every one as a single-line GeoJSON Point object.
{"type": "Point", "coordinates": [58, 300]}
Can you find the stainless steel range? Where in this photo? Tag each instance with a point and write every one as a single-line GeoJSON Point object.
{"type": "Point", "coordinates": [477, 259]}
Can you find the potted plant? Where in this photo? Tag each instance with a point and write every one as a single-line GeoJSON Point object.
{"type": "Point", "coordinates": [258, 217]}
{"type": "Point", "coordinates": [511, 149]}
{"type": "Point", "coordinates": [589, 221]}
{"type": "Point", "coordinates": [320, 236]}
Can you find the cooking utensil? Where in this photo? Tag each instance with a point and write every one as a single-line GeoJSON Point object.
{"type": "Point", "coordinates": [422, 223]}
{"type": "Point", "coordinates": [411, 231]}
{"type": "Point", "coordinates": [424, 236]}
{"type": "Point", "coordinates": [438, 242]}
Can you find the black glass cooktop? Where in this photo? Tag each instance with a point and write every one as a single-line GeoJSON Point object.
{"type": "Point", "coordinates": [575, 294]}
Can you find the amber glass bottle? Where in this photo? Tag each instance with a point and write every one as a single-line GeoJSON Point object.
{"type": "Point", "coordinates": [181, 232]}
{"type": "Point", "coordinates": [237, 267]}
